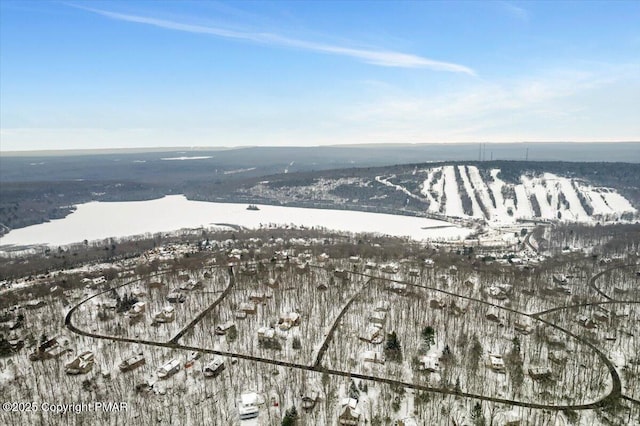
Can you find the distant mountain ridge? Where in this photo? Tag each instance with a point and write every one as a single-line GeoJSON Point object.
{"type": "Point", "coordinates": [498, 192]}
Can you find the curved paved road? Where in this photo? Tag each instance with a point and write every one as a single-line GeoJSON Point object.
{"type": "Point", "coordinates": [615, 392]}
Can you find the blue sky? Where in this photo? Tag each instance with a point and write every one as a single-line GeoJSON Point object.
{"type": "Point", "coordinates": [98, 74]}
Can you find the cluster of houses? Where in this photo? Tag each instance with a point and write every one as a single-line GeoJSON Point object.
{"type": "Point", "coordinates": [50, 349]}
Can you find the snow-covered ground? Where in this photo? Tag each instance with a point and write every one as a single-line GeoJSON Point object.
{"type": "Point", "coordinates": [556, 197]}
{"type": "Point", "coordinates": [100, 220]}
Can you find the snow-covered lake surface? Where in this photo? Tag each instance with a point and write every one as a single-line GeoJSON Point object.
{"type": "Point", "coordinates": [100, 220]}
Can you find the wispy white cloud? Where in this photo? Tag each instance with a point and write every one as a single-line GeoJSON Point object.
{"type": "Point", "coordinates": [595, 104]}
{"type": "Point", "coordinates": [519, 12]}
{"type": "Point", "coordinates": [375, 57]}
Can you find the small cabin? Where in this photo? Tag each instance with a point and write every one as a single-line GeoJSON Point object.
{"type": "Point", "coordinates": [429, 363]}
{"type": "Point", "coordinates": [248, 406]}
{"type": "Point", "coordinates": [132, 362]}
{"type": "Point", "coordinates": [266, 334]}
{"type": "Point", "coordinates": [288, 320]}
{"type": "Point", "coordinates": [214, 368]}
{"type": "Point", "coordinates": [378, 318]}
{"type": "Point", "coordinates": [191, 285]}
{"type": "Point", "coordinates": [390, 268]}
{"type": "Point", "coordinates": [81, 364]}
{"type": "Point", "coordinates": [540, 373]}
{"type": "Point", "coordinates": [137, 309]}
{"type": "Point", "coordinates": [176, 297]}
{"type": "Point", "coordinates": [224, 328]}
{"type": "Point", "coordinates": [248, 308]}
{"type": "Point", "coordinates": [496, 363]}
{"type": "Point", "coordinates": [259, 297]}
{"type": "Point", "coordinates": [398, 288]}
{"type": "Point", "coordinates": [349, 413]}
{"type": "Point", "coordinates": [167, 314]}
{"type": "Point", "coordinates": [51, 349]}
{"type": "Point", "coordinates": [168, 369]}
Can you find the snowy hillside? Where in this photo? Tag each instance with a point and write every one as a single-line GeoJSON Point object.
{"type": "Point", "coordinates": [465, 191]}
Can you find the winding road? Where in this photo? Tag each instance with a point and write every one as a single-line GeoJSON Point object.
{"type": "Point", "coordinates": [614, 394]}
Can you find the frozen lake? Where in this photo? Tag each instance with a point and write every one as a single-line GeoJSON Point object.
{"type": "Point", "coordinates": [100, 220]}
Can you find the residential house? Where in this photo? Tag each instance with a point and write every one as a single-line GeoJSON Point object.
{"type": "Point", "coordinates": [132, 362]}
{"type": "Point", "coordinates": [214, 368]}
{"type": "Point", "coordinates": [191, 285]}
{"type": "Point", "coordinates": [248, 308]}
{"type": "Point", "coordinates": [50, 349]}
{"type": "Point", "coordinates": [496, 363]}
{"type": "Point", "coordinates": [429, 363]}
{"type": "Point", "coordinates": [390, 268]}
{"type": "Point", "coordinates": [248, 406]}
{"type": "Point", "coordinates": [378, 318]}
{"type": "Point", "coordinates": [81, 364]}
{"type": "Point", "coordinates": [259, 296]}
{"type": "Point", "coordinates": [167, 314]}
{"type": "Point", "coordinates": [176, 297]}
{"type": "Point", "coordinates": [349, 413]}
{"type": "Point", "coordinates": [266, 334]}
{"type": "Point", "coordinates": [371, 266]}
{"type": "Point", "coordinates": [399, 288]}
{"type": "Point", "coordinates": [288, 320]}
{"type": "Point", "coordinates": [540, 373]}
{"type": "Point", "coordinates": [168, 369]}
{"type": "Point", "coordinates": [224, 328]}
{"type": "Point", "coordinates": [137, 310]}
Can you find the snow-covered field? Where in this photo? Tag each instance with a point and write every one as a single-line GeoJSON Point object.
{"type": "Point", "coordinates": [100, 220]}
